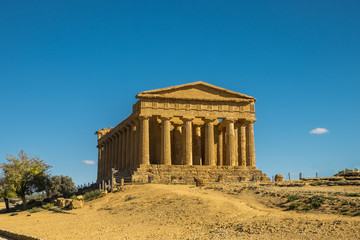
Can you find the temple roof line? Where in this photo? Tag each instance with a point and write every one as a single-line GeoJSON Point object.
{"type": "Point", "coordinates": [196, 91]}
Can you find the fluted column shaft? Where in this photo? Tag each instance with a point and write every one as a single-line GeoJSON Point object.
{"type": "Point", "coordinates": [242, 140]}
{"type": "Point", "coordinates": [128, 146]}
{"type": "Point", "coordinates": [177, 157]}
{"type": "Point", "coordinates": [113, 160]}
{"type": "Point", "coordinates": [99, 163]}
{"type": "Point", "coordinates": [144, 140]}
{"type": "Point", "coordinates": [220, 148]}
{"type": "Point", "coordinates": [209, 142]}
{"type": "Point", "coordinates": [251, 144]}
{"type": "Point", "coordinates": [236, 143]}
{"type": "Point", "coordinates": [132, 145]}
{"type": "Point", "coordinates": [123, 149]}
{"type": "Point", "coordinates": [188, 157]}
{"type": "Point", "coordinates": [166, 143]}
{"type": "Point", "coordinates": [137, 137]}
{"type": "Point", "coordinates": [197, 160]}
{"type": "Point", "coordinates": [118, 160]}
{"type": "Point", "coordinates": [106, 162]}
{"type": "Point", "coordinates": [230, 147]}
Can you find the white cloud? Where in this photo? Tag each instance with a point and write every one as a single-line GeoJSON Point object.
{"type": "Point", "coordinates": [88, 162]}
{"type": "Point", "coordinates": [319, 131]}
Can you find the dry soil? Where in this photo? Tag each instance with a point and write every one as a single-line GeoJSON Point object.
{"type": "Point", "coordinates": [157, 211]}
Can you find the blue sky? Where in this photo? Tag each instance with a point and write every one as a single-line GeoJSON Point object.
{"type": "Point", "coordinates": [69, 68]}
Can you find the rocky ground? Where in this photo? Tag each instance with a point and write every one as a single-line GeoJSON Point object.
{"type": "Point", "coordinates": [216, 211]}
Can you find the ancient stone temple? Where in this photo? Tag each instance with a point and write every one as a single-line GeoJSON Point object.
{"type": "Point", "coordinates": [177, 133]}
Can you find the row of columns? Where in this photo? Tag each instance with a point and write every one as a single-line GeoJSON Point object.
{"type": "Point", "coordinates": [127, 148]}
{"type": "Point", "coordinates": [121, 149]}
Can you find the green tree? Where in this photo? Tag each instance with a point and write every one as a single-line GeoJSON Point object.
{"type": "Point", "coordinates": [25, 175]}
{"type": "Point", "coordinates": [60, 186]}
{"type": "Point", "coordinates": [6, 192]}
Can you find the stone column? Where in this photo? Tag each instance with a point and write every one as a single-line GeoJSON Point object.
{"type": "Point", "coordinates": [132, 145]}
{"type": "Point", "coordinates": [99, 163]}
{"type": "Point", "coordinates": [220, 147]}
{"type": "Point", "coordinates": [177, 145]}
{"type": "Point", "coordinates": [236, 140]}
{"type": "Point", "coordinates": [230, 147]}
{"type": "Point", "coordinates": [107, 152]}
{"type": "Point", "coordinates": [166, 141]}
{"type": "Point", "coordinates": [118, 161]}
{"type": "Point", "coordinates": [137, 137]}
{"type": "Point", "coordinates": [242, 143]}
{"type": "Point", "coordinates": [108, 162]}
{"type": "Point", "coordinates": [113, 161]}
{"type": "Point", "coordinates": [144, 140]}
{"type": "Point", "coordinates": [128, 144]}
{"type": "Point", "coordinates": [123, 149]}
{"type": "Point", "coordinates": [188, 158]}
{"type": "Point", "coordinates": [197, 146]}
{"type": "Point", "coordinates": [209, 141]}
{"type": "Point", "coordinates": [251, 143]}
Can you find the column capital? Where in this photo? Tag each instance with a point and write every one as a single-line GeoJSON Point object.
{"type": "Point", "coordinates": [250, 121]}
{"type": "Point", "coordinates": [209, 119]}
{"type": "Point", "coordinates": [187, 118]}
{"type": "Point", "coordinates": [165, 117]}
{"type": "Point", "coordinates": [230, 120]}
{"type": "Point", "coordinates": [144, 117]}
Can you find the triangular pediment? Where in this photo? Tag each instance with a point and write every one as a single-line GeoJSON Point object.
{"type": "Point", "coordinates": [196, 91]}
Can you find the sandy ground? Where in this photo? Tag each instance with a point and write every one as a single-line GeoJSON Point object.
{"type": "Point", "coordinates": [156, 211]}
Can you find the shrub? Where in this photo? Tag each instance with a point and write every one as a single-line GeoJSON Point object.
{"type": "Point", "coordinates": [294, 205]}
{"type": "Point", "coordinates": [316, 204]}
{"type": "Point", "coordinates": [331, 198]}
{"type": "Point", "coordinates": [308, 207]}
{"type": "Point", "coordinates": [92, 195]}
{"type": "Point", "coordinates": [353, 194]}
{"type": "Point", "coordinates": [34, 210]}
{"type": "Point", "coordinates": [316, 201]}
{"type": "Point", "coordinates": [316, 183]}
{"type": "Point", "coordinates": [48, 206]}
{"type": "Point", "coordinates": [293, 198]}
{"type": "Point", "coordinates": [73, 196]}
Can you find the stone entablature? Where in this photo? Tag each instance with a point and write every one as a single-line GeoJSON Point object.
{"type": "Point", "coordinates": [191, 124]}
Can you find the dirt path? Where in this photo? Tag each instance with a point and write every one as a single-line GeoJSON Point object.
{"type": "Point", "coordinates": [157, 211]}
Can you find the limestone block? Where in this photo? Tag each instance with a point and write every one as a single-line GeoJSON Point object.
{"type": "Point", "coordinates": [279, 178]}
{"type": "Point", "coordinates": [80, 198]}
{"type": "Point", "coordinates": [76, 204]}
{"type": "Point", "coordinates": [59, 202]}
{"type": "Point", "coordinates": [68, 202]}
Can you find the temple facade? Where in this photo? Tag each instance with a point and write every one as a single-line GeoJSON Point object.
{"type": "Point", "coordinates": [177, 133]}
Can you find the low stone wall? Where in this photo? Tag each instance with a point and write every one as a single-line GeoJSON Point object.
{"type": "Point", "coordinates": [185, 174]}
